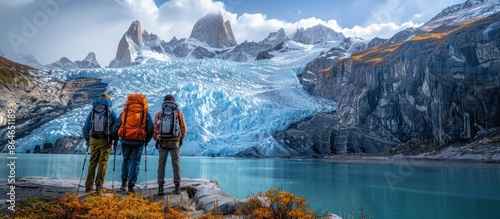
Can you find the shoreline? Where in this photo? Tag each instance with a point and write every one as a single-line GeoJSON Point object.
{"type": "Point", "coordinates": [198, 196]}
{"type": "Point", "coordinates": [414, 160]}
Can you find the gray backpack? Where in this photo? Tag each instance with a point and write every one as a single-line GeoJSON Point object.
{"type": "Point", "coordinates": [169, 126]}
{"type": "Point", "coordinates": [100, 124]}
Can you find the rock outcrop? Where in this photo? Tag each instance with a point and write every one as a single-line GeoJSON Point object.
{"type": "Point", "coordinates": [129, 44]}
{"type": "Point", "coordinates": [212, 30]}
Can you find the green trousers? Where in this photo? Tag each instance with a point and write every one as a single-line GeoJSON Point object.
{"type": "Point", "coordinates": [99, 155]}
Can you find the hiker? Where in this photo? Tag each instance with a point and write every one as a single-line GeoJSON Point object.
{"type": "Point", "coordinates": [135, 128]}
{"type": "Point", "coordinates": [170, 130]}
{"type": "Point", "coordinates": [97, 134]}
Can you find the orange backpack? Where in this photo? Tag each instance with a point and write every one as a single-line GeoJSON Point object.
{"type": "Point", "coordinates": [135, 111]}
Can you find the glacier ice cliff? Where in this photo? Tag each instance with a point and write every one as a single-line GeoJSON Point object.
{"type": "Point", "coordinates": [228, 106]}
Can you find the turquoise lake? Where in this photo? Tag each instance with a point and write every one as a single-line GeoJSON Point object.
{"type": "Point", "coordinates": [404, 190]}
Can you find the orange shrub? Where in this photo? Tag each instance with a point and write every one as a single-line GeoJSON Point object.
{"type": "Point", "coordinates": [279, 204]}
{"type": "Point", "coordinates": [96, 206]}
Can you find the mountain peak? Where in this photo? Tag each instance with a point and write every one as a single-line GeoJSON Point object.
{"type": "Point", "coordinates": [134, 31]}
{"type": "Point", "coordinates": [62, 64]}
{"type": "Point", "coordinates": [90, 61]}
{"type": "Point", "coordinates": [276, 38]}
{"type": "Point", "coordinates": [25, 59]}
{"type": "Point", "coordinates": [129, 44]}
{"type": "Point", "coordinates": [470, 9]}
{"type": "Point", "coordinates": [212, 30]}
{"type": "Point", "coordinates": [90, 56]}
{"type": "Point", "coordinates": [315, 34]}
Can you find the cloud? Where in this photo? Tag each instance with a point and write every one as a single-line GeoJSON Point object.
{"type": "Point", "coordinates": [177, 17]}
{"type": "Point", "coordinates": [78, 25]}
{"type": "Point", "coordinates": [145, 9]}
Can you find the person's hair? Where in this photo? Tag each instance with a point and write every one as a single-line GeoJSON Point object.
{"type": "Point", "coordinates": [105, 95]}
{"type": "Point", "coordinates": [169, 97]}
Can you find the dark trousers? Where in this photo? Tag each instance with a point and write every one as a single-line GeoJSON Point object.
{"type": "Point", "coordinates": [131, 161]}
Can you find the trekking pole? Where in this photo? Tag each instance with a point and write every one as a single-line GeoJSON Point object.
{"type": "Point", "coordinates": [114, 164]}
{"type": "Point", "coordinates": [146, 165]}
{"type": "Point", "coordinates": [83, 167]}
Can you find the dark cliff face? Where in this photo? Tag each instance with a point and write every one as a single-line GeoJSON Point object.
{"type": "Point", "coordinates": [437, 87]}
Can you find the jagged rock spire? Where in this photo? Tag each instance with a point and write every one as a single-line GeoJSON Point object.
{"type": "Point", "coordinates": [212, 30]}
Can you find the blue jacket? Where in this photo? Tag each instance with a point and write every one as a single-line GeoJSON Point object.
{"type": "Point", "coordinates": [87, 126]}
{"type": "Point", "coordinates": [149, 131]}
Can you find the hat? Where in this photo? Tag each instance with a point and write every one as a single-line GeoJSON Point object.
{"type": "Point", "coordinates": [105, 95]}
{"type": "Point", "coordinates": [169, 97]}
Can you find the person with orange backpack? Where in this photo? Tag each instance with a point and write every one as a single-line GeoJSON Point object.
{"type": "Point", "coordinates": [135, 128]}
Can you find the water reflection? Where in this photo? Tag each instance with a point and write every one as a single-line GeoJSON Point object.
{"type": "Point", "coordinates": [386, 190]}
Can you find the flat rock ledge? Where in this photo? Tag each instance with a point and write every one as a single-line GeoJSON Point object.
{"type": "Point", "coordinates": [205, 196]}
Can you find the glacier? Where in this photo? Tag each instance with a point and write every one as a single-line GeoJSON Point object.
{"type": "Point", "coordinates": [228, 106]}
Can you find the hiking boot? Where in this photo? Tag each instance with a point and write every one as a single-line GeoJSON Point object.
{"type": "Point", "coordinates": [131, 189]}
{"type": "Point", "coordinates": [88, 190]}
{"type": "Point", "coordinates": [123, 186]}
{"type": "Point", "coordinates": [160, 190]}
{"type": "Point", "coordinates": [177, 190]}
{"type": "Point", "coordinates": [98, 189]}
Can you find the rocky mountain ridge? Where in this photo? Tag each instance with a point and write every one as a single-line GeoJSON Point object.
{"type": "Point", "coordinates": [437, 87]}
{"type": "Point", "coordinates": [63, 64]}
{"type": "Point", "coordinates": [37, 101]}
{"type": "Point", "coordinates": [211, 37]}
{"type": "Point", "coordinates": [317, 34]}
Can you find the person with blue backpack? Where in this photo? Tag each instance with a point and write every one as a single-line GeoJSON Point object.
{"type": "Point", "coordinates": [97, 134]}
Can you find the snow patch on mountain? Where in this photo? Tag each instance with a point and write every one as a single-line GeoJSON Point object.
{"type": "Point", "coordinates": [471, 9]}
{"type": "Point", "coordinates": [317, 34]}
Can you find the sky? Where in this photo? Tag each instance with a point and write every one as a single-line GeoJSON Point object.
{"type": "Point", "coordinates": [51, 29]}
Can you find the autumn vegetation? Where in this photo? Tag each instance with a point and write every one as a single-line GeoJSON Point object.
{"type": "Point", "coordinates": [375, 54]}
{"type": "Point", "coordinates": [275, 203]}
